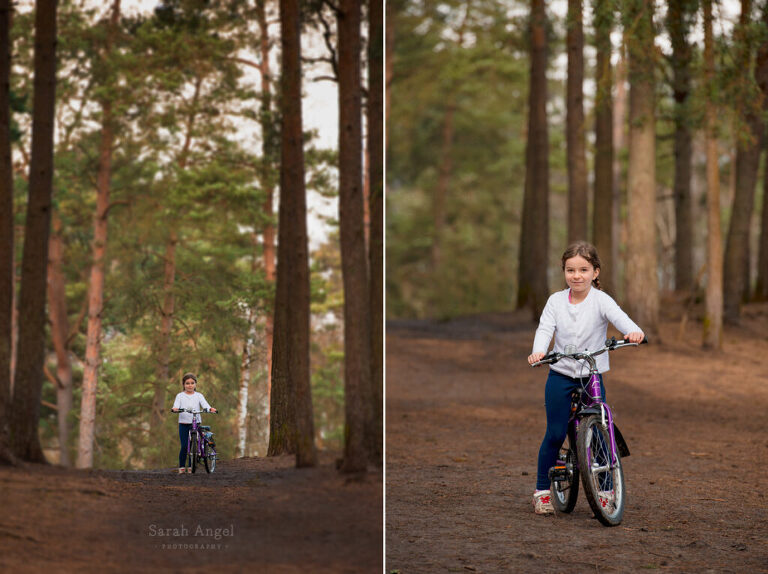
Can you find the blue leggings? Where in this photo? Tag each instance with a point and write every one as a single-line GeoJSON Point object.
{"type": "Point", "coordinates": [557, 397]}
{"type": "Point", "coordinates": [184, 429]}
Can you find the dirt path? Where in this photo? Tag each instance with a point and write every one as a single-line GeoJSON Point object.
{"type": "Point", "coordinates": [251, 515]}
{"type": "Point", "coordinates": [465, 418]}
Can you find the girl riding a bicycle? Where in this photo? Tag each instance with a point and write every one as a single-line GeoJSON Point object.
{"type": "Point", "coordinates": [189, 398]}
{"type": "Point", "coordinates": [578, 318]}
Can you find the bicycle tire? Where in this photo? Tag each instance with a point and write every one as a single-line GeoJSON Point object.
{"type": "Point", "coordinates": [193, 452]}
{"type": "Point", "coordinates": [566, 492]}
{"type": "Point", "coordinates": [209, 457]}
{"type": "Point", "coordinates": [593, 453]}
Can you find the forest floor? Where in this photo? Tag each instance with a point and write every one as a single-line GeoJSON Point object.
{"type": "Point", "coordinates": [465, 418]}
{"type": "Point", "coordinates": [250, 515]}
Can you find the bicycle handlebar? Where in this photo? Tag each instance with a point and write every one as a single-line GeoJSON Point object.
{"type": "Point", "coordinates": [610, 345]}
{"type": "Point", "coordinates": [194, 412]}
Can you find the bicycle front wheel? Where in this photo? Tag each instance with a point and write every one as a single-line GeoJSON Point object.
{"type": "Point", "coordinates": [565, 479]}
{"type": "Point", "coordinates": [209, 457]}
{"type": "Point", "coordinates": [603, 479]}
{"type": "Point", "coordinates": [193, 452]}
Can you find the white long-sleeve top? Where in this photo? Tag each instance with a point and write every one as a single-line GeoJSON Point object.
{"type": "Point", "coordinates": [583, 325]}
{"type": "Point", "coordinates": [195, 401]}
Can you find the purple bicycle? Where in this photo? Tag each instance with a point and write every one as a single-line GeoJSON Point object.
{"type": "Point", "coordinates": [201, 446]}
{"type": "Point", "coordinates": [593, 447]}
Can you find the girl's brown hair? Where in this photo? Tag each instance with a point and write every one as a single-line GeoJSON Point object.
{"type": "Point", "coordinates": [588, 252]}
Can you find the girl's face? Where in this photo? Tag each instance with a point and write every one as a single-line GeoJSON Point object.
{"type": "Point", "coordinates": [579, 274]}
{"type": "Point", "coordinates": [189, 386]}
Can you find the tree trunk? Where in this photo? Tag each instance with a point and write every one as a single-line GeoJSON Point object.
{"type": "Point", "coordinates": [602, 222]}
{"type": "Point", "coordinates": [357, 366]}
{"type": "Point", "coordinates": [242, 405]}
{"type": "Point", "coordinates": [25, 413]}
{"type": "Point", "coordinates": [761, 74]}
{"type": "Point", "coordinates": [269, 152]}
{"type": "Point", "coordinates": [679, 20]}
{"type": "Point", "coordinates": [642, 290]}
{"type": "Point", "coordinates": [375, 442]}
{"type": "Point", "coordinates": [736, 262]}
{"type": "Point", "coordinates": [96, 283]}
{"type": "Point", "coordinates": [619, 183]}
{"type": "Point", "coordinates": [290, 366]}
{"type": "Point", "coordinates": [57, 312]}
{"type": "Point", "coordinates": [533, 290]}
{"type": "Point", "coordinates": [576, 148]}
{"type": "Point", "coordinates": [6, 233]}
{"type": "Point", "coordinates": [162, 370]}
{"type": "Point", "coordinates": [713, 318]}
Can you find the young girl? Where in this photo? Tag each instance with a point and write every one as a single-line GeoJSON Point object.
{"type": "Point", "coordinates": [577, 316]}
{"type": "Point", "coordinates": [189, 398]}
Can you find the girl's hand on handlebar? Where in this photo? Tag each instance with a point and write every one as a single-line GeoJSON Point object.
{"type": "Point", "coordinates": [213, 410]}
{"type": "Point", "coordinates": [635, 337]}
{"type": "Point", "coordinates": [535, 357]}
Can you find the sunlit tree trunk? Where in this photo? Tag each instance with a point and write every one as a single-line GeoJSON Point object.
{"type": "Point", "coordinates": [713, 317]}
{"type": "Point", "coordinates": [96, 282]}
{"type": "Point", "coordinates": [533, 289]}
{"type": "Point", "coordinates": [642, 290]}
{"type": "Point", "coordinates": [57, 313]}
{"type": "Point", "coordinates": [576, 148]}
{"type": "Point", "coordinates": [25, 412]}
{"type": "Point", "coordinates": [602, 226]}
{"type": "Point", "coordinates": [6, 233]}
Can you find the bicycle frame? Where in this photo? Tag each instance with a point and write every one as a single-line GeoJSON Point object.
{"type": "Point", "coordinates": [595, 401]}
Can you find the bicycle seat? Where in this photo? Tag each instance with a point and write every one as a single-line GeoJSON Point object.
{"type": "Point", "coordinates": [204, 428]}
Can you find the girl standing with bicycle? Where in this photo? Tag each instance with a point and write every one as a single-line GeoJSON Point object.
{"type": "Point", "coordinates": [189, 398]}
{"type": "Point", "coordinates": [578, 318]}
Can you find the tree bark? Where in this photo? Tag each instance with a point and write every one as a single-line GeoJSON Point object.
{"type": "Point", "coordinates": [357, 367]}
{"type": "Point", "coordinates": [576, 147]}
{"type": "Point", "coordinates": [736, 262]}
{"type": "Point", "coordinates": [375, 442]}
{"type": "Point", "coordinates": [533, 290]}
{"type": "Point", "coordinates": [761, 74]}
{"type": "Point", "coordinates": [290, 364]}
{"type": "Point", "coordinates": [162, 370]}
{"type": "Point", "coordinates": [96, 283]}
{"type": "Point", "coordinates": [713, 318]}
{"type": "Point", "coordinates": [602, 223]}
{"type": "Point", "coordinates": [57, 312]}
{"type": "Point", "coordinates": [642, 290]}
{"type": "Point", "coordinates": [680, 17]}
{"type": "Point", "coordinates": [25, 413]}
{"type": "Point", "coordinates": [269, 153]}
{"type": "Point", "coordinates": [6, 234]}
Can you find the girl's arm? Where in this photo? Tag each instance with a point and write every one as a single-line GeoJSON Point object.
{"type": "Point", "coordinates": [621, 321]}
{"type": "Point", "coordinates": [544, 332]}
{"type": "Point", "coordinates": [176, 403]}
{"type": "Point", "coordinates": [204, 404]}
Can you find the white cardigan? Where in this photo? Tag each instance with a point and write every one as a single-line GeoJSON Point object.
{"type": "Point", "coordinates": [583, 325]}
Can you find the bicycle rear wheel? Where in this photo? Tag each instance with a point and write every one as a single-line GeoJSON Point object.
{"type": "Point", "coordinates": [603, 481]}
{"type": "Point", "coordinates": [209, 457]}
{"type": "Point", "coordinates": [193, 452]}
{"type": "Point", "coordinates": [564, 478]}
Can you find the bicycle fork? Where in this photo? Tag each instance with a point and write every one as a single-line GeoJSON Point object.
{"type": "Point", "coordinates": [605, 413]}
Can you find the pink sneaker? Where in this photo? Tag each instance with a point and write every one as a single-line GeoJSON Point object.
{"type": "Point", "coordinates": [542, 502]}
